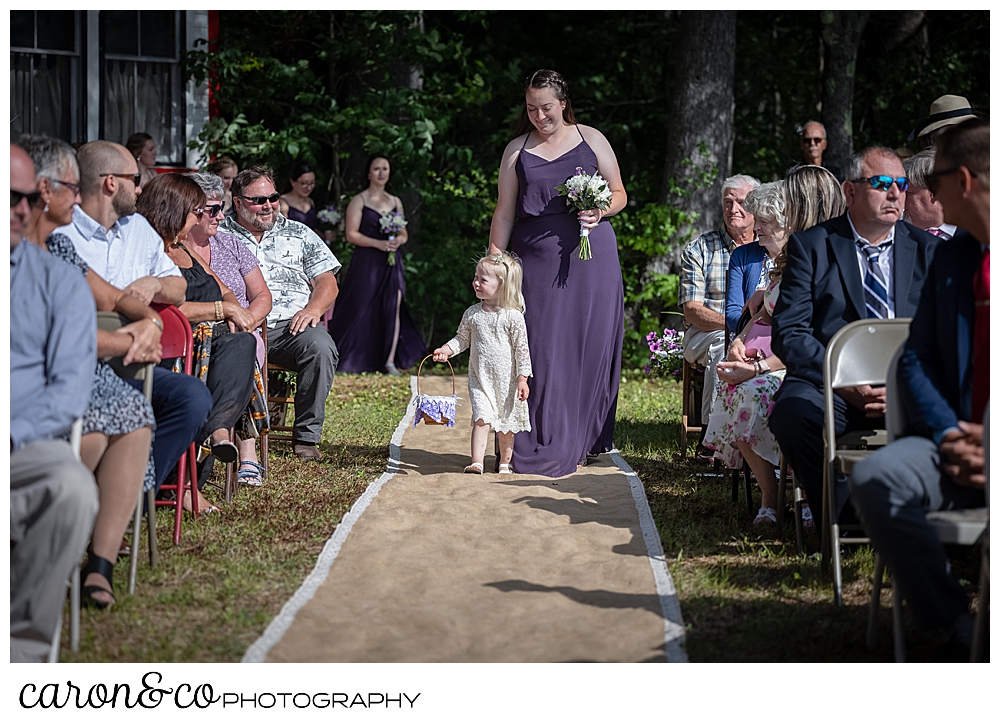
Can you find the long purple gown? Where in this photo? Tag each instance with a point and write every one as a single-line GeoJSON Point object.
{"type": "Point", "coordinates": [575, 319]}
{"type": "Point", "coordinates": [365, 311]}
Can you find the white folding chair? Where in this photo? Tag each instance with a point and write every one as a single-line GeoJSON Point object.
{"type": "Point", "coordinates": [75, 435]}
{"type": "Point", "coordinates": [859, 353]}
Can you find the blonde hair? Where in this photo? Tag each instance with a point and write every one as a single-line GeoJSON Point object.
{"type": "Point", "coordinates": [507, 267]}
{"type": "Point", "coordinates": [812, 195]}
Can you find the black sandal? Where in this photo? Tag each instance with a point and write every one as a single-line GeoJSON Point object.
{"type": "Point", "coordinates": [105, 569]}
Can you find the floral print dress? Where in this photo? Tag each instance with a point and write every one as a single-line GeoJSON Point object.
{"type": "Point", "coordinates": [741, 411]}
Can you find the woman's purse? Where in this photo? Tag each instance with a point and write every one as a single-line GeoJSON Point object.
{"type": "Point", "coordinates": [758, 341]}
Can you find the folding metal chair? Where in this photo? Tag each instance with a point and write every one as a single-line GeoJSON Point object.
{"type": "Point", "coordinates": [277, 405]}
{"type": "Point", "coordinates": [859, 353]}
{"type": "Point", "coordinates": [690, 404]}
{"type": "Point", "coordinates": [75, 435]}
{"type": "Point", "coordinates": [954, 527]}
{"type": "Point", "coordinates": [177, 342]}
{"type": "Point", "coordinates": [110, 321]}
{"type": "Point", "coordinates": [797, 499]}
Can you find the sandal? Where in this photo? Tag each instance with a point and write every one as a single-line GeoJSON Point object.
{"type": "Point", "coordinates": [104, 568]}
{"type": "Point", "coordinates": [506, 469]}
{"type": "Point", "coordinates": [474, 468]}
{"type": "Point", "coordinates": [765, 515]}
{"type": "Point", "coordinates": [807, 519]}
{"type": "Point", "coordinates": [253, 477]}
{"type": "Point", "coordinates": [226, 452]}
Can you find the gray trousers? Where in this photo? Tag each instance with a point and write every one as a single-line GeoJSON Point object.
{"type": "Point", "coordinates": [707, 348]}
{"type": "Point", "coordinates": [314, 356]}
{"type": "Point", "coordinates": [891, 491]}
{"type": "Point", "coordinates": [53, 502]}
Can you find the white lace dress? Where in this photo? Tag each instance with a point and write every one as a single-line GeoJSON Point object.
{"type": "Point", "coordinates": [498, 354]}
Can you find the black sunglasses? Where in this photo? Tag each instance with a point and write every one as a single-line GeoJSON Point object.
{"type": "Point", "coordinates": [884, 183]}
{"type": "Point", "coordinates": [813, 141]}
{"type": "Point", "coordinates": [933, 180]}
{"type": "Point", "coordinates": [261, 200]}
{"type": "Point", "coordinates": [16, 196]}
{"type": "Point", "coordinates": [136, 177]}
{"type": "Point", "coordinates": [214, 209]}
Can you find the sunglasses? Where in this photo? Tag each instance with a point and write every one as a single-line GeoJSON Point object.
{"type": "Point", "coordinates": [261, 200]}
{"type": "Point", "coordinates": [17, 196]}
{"type": "Point", "coordinates": [74, 187]}
{"type": "Point", "coordinates": [884, 183]}
{"type": "Point", "coordinates": [813, 141]}
{"type": "Point", "coordinates": [136, 177]}
{"type": "Point", "coordinates": [199, 212]}
{"type": "Point", "coordinates": [214, 210]}
{"type": "Point", "coordinates": [933, 180]}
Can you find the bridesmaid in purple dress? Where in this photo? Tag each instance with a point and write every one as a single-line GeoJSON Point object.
{"type": "Point", "coordinates": [575, 309]}
{"type": "Point", "coordinates": [371, 325]}
{"type": "Point", "coordinates": [297, 204]}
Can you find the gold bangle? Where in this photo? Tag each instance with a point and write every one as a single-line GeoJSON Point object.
{"type": "Point", "coordinates": [219, 316]}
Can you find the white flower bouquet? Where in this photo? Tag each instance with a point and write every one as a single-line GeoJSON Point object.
{"type": "Point", "coordinates": [584, 192]}
{"type": "Point", "coordinates": [391, 223]}
{"type": "Point", "coordinates": [329, 217]}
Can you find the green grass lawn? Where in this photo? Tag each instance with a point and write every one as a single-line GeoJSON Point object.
{"type": "Point", "coordinates": [744, 595]}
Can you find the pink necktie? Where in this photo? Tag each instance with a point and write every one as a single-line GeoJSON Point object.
{"type": "Point", "coordinates": [981, 340]}
{"type": "Point", "coordinates": [937, 232]}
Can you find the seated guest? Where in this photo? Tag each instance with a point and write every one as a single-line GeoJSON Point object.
{"type": "Point", "coordinates": [225, 168]}
{"type": "Point", "coordinates": [752, 374]}
{"type": "Point", "coordinates": [123, 249]}
{"type": "Point", "coordinates": [948, 110]}
{"type": "Point", "coordinates": [945, 387]}
{"type": "Point", "coordinates": [862, 265]}
{"type": "Point", "coordinates": [224, 353]}
{"type": "Point", "coordinates": [922, 209]}
{"type": "Point", "coordinates": [750, 264]}
{"type": "Point", "coordinates": [702, 294]}
{"type": "Point", "coordinates": [299, 270]}
{"type": "Point", "coordinates": [143, 149]}
{"type": "Point", "coordinates": [239, 270]}
{"type": "Point", "coordinates": [118, 423]}
{"type": "Point", "coordinates": [53, 500]}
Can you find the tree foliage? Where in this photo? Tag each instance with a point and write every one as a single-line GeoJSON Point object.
{"type": "Point", "coordinates": [438, 91]}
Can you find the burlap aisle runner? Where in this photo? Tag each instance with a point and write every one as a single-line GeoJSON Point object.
{"type": "Point", "coordinates": [444, 566]}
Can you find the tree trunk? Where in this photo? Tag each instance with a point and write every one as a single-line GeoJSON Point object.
{"type": "Point", "coordinates": [841, 36]}
{"type": "Point", "coordinates": [700, 137]}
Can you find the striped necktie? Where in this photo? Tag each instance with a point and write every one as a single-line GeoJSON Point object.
{"type": "Point", "coordinates": [876, 289]}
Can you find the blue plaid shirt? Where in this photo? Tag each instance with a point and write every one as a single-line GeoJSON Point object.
{"type": "Point", "coordinates": [704, 263]}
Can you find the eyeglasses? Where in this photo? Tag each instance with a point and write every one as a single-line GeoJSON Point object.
{"type": "Point", "coordinates": [884, 183]}
{"type": "Point", "coordinates": [307, 184]}
{"type": "Point", "coordinates": [74, 187]}
{"type": "Point", "coordinates": [933, 180]}
{"type": "Point", "coordinates": [136, 177]}
{"type": "Point", "coordinates": [261, 200]}
{"type": "Point", "coordinates": [214, 209]}
{"type": "Point", "coordinates": [812, 141]}
{"type": "Point", "coordinates": [17, 196]}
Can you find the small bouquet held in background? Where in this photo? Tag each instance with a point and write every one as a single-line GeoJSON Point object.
{"type": "Point", "coordinates": [392, 222]}
{"type": "Point", "coordinates": [666, 353]}
{"type": "Point", "coordinates": [329, 217]}
{"type": "Point", "coordinates": [584, 192]}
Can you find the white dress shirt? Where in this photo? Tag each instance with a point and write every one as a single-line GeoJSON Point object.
{"type": "Point", "coordinates": [886, 262]}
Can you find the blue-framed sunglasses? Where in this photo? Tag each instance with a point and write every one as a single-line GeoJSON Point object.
{"type": "Point", "coordinates": [884, 183]}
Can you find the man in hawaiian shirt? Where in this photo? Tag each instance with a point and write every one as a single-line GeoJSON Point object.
{"type": "Point", "coordinates": [300, 271]}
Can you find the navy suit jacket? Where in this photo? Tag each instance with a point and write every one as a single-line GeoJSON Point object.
{"type": "Point", "coordinates": [935, 371]}
{"type": "Point", "coordinates": [744, 274]}
{"type": "Point", "coordinates": [821, 290]}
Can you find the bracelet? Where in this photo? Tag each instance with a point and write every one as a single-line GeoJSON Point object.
{"type": "Point", "coordinates": [156, 322]}
{"type": "Point", "coordinates": [219, 316]}
{"type": "Point", "coordinates": [756, 367]}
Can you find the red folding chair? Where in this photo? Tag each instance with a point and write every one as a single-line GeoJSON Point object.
{"type": "Point", "coordinates": [177, 342]}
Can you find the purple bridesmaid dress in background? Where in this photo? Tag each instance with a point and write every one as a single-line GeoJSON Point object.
{"type": "Point", "coordinates": [308, 218]}
{"type": "Point", "coordinates": [575, 319]}
{"type": "Point", "coordinates": [365, 310]}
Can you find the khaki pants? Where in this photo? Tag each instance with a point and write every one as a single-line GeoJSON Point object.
{"type": "Point", "coordinates": [53, 502]}
{"type": "Point", "coordinates": [707, 348]}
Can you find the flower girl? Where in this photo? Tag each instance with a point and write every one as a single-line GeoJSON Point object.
{"type": "Point", "coordinates": [499, 365]}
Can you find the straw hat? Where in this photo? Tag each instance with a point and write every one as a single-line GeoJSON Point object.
{"type": "Point", "coordinates": [945, 111]}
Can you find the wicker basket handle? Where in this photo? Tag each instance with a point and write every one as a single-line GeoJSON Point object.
{"type": "Point", "coordinates": [446, 362]}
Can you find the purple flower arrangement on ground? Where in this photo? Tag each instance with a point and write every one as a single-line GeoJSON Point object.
{"type": "Point", "coordinates": [666, 354]}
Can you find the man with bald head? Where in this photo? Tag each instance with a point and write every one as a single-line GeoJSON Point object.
{"type": "Point", "coordinates": [812, 139]}
{"type": "Point", "coordinates": [53, 498]}
{"type": "Point", "coordinates": [122, 247]}
{"type": "Point", "coordinates": [119, 244]}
